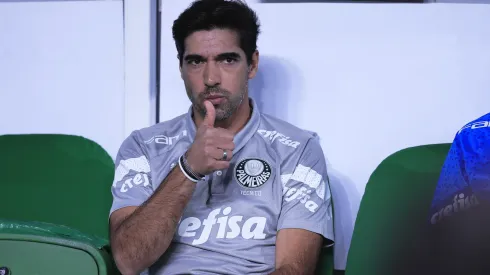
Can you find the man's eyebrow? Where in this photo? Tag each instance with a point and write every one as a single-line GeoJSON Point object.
{"type": "Point", "coordinates": [221, 56]}
{"type": "Point", "coordinates": [193, 57]}
{"type": "Point", "coordinates": [232, 55]}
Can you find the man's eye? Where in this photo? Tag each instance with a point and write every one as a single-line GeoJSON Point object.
{"type": "Point", "coordinates": [194, 62]}
{"type": "Point", "coordinates": [230, 60]}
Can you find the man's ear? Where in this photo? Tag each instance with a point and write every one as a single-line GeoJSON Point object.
{"type": "Point", "coordinates": [254, 65]}
{"type": "Point", "coordinates": [180, 66]}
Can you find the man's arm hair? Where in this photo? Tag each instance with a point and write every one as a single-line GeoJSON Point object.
{"type": "Point", "coordinates": [297, 252]}
{"type": "Point", "coordinates": [140, 235]}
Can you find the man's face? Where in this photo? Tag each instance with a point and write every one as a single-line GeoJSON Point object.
{"type": "Point", "coordinates": [214, 68]}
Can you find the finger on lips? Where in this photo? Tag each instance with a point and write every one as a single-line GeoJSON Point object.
{"type": "Point", "coordinates": [210, 114]}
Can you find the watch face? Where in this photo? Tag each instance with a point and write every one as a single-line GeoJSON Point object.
{"type": "Point", "coordinates": [5, 271]}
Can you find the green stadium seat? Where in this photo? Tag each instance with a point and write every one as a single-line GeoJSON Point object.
{"type": "Point", "coordinates": [325, 264]}
{"type": "Point", "coordinates": [55, 189]}
{"type": "Point", "coordinates": [389, 230]}
{"type": "Point", "coordinates": [48, 249]}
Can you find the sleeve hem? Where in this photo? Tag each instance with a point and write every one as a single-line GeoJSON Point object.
{"type": "Point", "coordinates": [115, 208]}
{"type": "Point", "coordinates": [309, 227]}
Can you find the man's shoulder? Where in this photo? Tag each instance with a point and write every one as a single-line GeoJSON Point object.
{"type": "Point", "coordinates": [278, 131]}
{"type": "Point", "coordinates": [163, 133]}
{"type": "Point", "coordinates": [485, 117]}
{"type": "Point", "coordinates": [480, 124]}
{"type": "Point", "coordinates": [168, 128]}
{"type": "Point", "coordinates": [472, 140]}
{"type": "Point", "coordinates": [474, 135]}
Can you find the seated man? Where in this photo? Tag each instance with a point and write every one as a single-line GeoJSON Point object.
{"type": "Point", "coordinates": [460, 216]}
{"type": "Point", "coordinates": [223, 189]}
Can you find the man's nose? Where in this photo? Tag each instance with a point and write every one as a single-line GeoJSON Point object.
{"type": "Point", "coordinates": [212, 76]}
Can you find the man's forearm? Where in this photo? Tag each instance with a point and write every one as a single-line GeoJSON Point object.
{"type": "Point", "coordinates": [287, 270]}
{"type": "Point", "coordinates": [295, 269]}
{"type": "Point", "coordinates": [147, 233]}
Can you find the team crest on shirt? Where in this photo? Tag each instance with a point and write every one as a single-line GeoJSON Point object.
{"type": "Point", "coordinates": [252, 172]}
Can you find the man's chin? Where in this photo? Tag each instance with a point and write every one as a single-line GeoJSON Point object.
{"type": "Point", "coordinates": [222, 114]}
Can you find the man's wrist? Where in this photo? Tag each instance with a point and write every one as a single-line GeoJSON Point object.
{"type": "Point", "coordinates": [187, 170]}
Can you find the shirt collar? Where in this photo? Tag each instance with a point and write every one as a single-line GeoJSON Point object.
{"type": "Point", "coordinates": [242, 137]}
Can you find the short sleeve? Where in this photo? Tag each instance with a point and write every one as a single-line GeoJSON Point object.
{"type": "Point", "coordinates": [306, 200]}
{"type": "Point", "coordinates": [132, 179]}
{"type": "Point", "coordinates": [450, 185]}
{"type": "Point", "coordinates": [475, 145]}
{"type": "Point", "coordinates": [459, 220]}
{"type": "Point", "coordinates": [465, 176]}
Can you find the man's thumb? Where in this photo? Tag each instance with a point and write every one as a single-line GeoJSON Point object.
{"type": "Point", "coordinates": [210, 114]}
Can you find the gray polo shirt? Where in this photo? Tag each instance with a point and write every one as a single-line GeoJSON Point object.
{"type": "Point", "coordinates": [277, 179]}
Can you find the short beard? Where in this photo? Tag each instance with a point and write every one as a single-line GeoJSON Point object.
{"type": "Point", "coordinates": [224, 110]}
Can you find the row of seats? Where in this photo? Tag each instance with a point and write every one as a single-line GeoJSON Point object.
{"type": "Point", "coordinates": [55, 198]}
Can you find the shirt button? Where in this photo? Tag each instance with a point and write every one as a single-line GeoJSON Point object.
{"type": "Point", "coordinates": [172, 165]}
{"type": "Point", "coordinates": [219, 173]}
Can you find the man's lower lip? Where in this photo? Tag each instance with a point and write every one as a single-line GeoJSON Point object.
{"type": "Point", "coordinates": [215, 100]}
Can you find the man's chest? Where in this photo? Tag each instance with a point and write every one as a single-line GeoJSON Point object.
{"type": "Point", "coordinates": [241, 203]}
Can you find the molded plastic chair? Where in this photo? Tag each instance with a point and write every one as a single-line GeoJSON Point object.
{"type": "Point", "coordinates": [325, 264]}
{"type": "Point", "coordinates": [54, 187]}
{"type": "Point", "coordinates": [47, 249]}
{"type": "Point", "coordinates": [389, 232]}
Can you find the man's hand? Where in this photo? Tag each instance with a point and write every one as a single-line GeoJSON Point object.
{"type": "Point", "coordinates": [206, 153]}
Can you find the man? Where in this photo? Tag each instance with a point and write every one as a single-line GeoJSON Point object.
{"type": "Point", "coordinates": [223, 189]}
{"type": "Point", "coordinates": [460, 216]}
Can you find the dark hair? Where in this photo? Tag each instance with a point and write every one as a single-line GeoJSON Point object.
{"type": "Point", "coordinates": [218, 14]}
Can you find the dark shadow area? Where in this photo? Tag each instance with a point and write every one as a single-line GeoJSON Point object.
{"type": "Point", "coordinates": [346, 200]}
